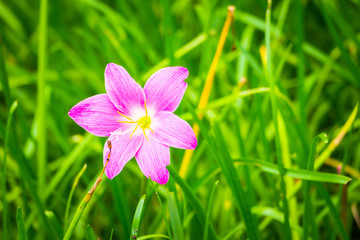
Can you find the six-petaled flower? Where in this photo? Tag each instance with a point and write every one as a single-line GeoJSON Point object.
{"type": "Point", "coordinates": [139, 122]}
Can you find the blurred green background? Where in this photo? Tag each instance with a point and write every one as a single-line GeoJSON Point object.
{"type": "Point", "coordinates": [54, 57]}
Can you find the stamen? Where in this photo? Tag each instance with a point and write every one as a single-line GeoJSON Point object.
{"type": "Point", "coordinates": [127, 121]}
{"type": "Point", "coordinates": [145, 134]}
{"type": "Point", "coordinates": [124, 116]}
{"type": "Point", "coordinates": [134, 130]}
{"type": "Point", "coordinates": [145, 108]}
{"type": "Point", "coordinates": [151, 129]}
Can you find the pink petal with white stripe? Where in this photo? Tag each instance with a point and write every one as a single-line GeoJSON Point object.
{"type": "Point", "coordinates": [123, 149]}
{"type": "Point", "coordinates": [96, 115]}
{"type": "Point", "coordinates": [152, 158]}
{"type": "Point", "coordinates": [165, 88]}
{"type": "Point", "coordinates": [124, 92]}
{"type": "Point", "coordinates": [171, 130]}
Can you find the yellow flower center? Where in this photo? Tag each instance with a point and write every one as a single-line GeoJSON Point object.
{"type": "Point", "coordinates": [143, 122]}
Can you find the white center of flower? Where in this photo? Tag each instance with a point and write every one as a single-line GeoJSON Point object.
{"type": "Point", "coordinates": [143, 122]}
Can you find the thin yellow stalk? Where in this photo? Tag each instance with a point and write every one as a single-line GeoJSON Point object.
{"type": "Point", "coordinates": [349, 170]}
{"type": "Point", "coordinates": [205, 94]}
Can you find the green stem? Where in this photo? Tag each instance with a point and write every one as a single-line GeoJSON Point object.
{"type": "Point", "coordinates": [275, 119]}
{"type": "Point", "coordinates": [40, 115]}
{"type": "Point", "coordinates": [80, 210]}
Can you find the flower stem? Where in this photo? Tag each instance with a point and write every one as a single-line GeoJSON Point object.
{"type": "Point", "coordinates": [85, 201]}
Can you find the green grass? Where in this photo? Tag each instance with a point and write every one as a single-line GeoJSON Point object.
{"type": "Point", "coordinates": [262, 168]}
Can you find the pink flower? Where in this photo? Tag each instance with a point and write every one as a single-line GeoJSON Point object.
{"type": "Point", "coordinates": [139, 122]}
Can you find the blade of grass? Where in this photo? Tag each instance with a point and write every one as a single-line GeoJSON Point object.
{"type": "Point", "coordinates": [111, 234]}
{"type": "Point", "coordinates": [193, 200]}
{"type": "Point", "coordinates": [152, 236]}
{"type": "Point", "coordinates": [289, 182]}
{"type": "Point", "coordinates": [230, 174]}
{"type": "Point", "coordinates": [296, 173]}
{"type": "Point", "coordinates": [301, 63]}
{"type": "Point", "coordinates": [3, 75]}
{"type": "Point", "coordinates": [211, 199]}
{"type": "Point", "coordinates": [76, 181]}
{"type": "Point", "coordinates": [22, 235]}
{"type": "Point", "coordinates": [307, 200]}
{"type": "Point", "coordinates": [41, 101]}
{"type": "Point", "coordinates": [4, 170]}
{"type": "Point", "coordinates": [90, 235]}
{"type": "Point", "coordinates": [233, 180]}
{"type": "Point", "coordinates": [334, 213]}
{"type": "Point", "coordinates": [175, 220]}
{"type": "Point", "coordinates": [55, 222]}
{"type": "Point", "coordinates": [137, 218]}
{"type": "Point", "coordinates": [274, 105]}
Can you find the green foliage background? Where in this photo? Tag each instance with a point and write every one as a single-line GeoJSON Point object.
{"type": "Point", "coordinates": [48, 67]}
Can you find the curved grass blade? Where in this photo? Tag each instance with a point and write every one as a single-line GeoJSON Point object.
{"type": "Point", "coordinates": [296, 173]}
{"type": "Point", "coordinates": [137, 218]}
{"type": "Point", "coordinates": [90, 235]}
{"type": "Point", "coordinates": [22, 235]}
{"type": "Point", "coordinates": [55, 222]}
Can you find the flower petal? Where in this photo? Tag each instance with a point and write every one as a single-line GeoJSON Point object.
{"type": "Point", "coordinates": [171, 130]}
{"type": "Point", "coordinates": [96, 115]}
{"type": "Point", "coordinates": [124, 92]}
{"type": "Point", "coordinates": [152, 158]}
{"type": "Point", "coordinates": [165, 88]}
{"type": "Point", "coordinates": [122, 150]}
